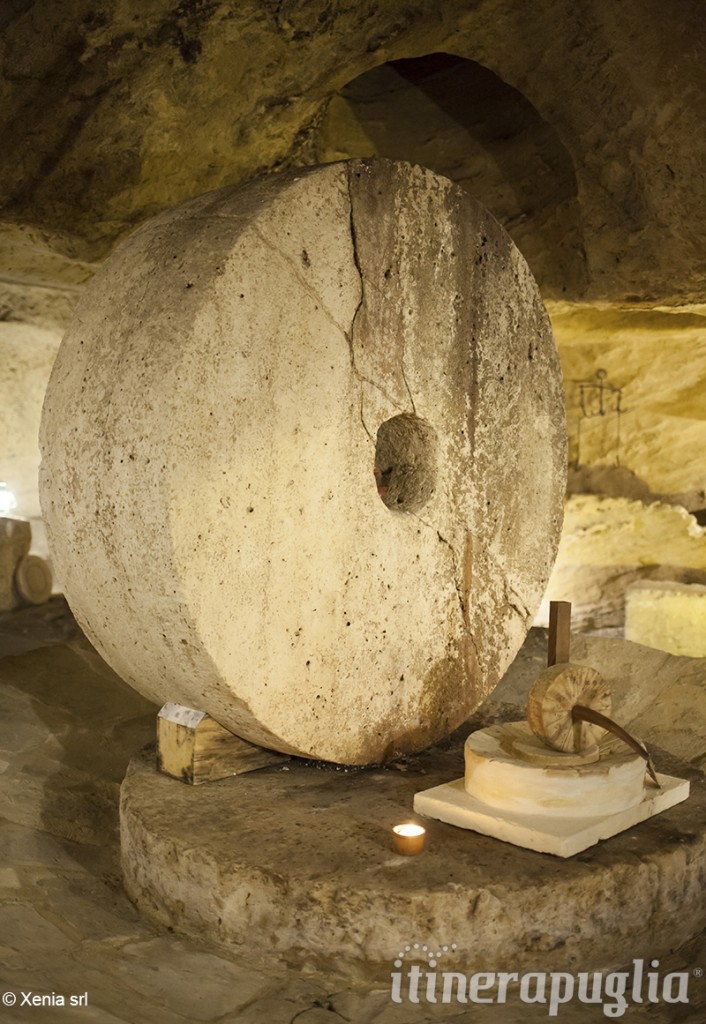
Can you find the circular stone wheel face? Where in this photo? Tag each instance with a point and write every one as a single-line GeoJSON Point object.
{"type": "Point", "coordinates": [303, 458]}
{"type": "Point", "coordinates": [553, 695]}
{"type": "Point", "coordinates": [33, 579]}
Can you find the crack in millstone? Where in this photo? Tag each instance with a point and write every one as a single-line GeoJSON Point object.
{"type": "Point", "coordinates": [519, 607]}
{"type": "Point", "coordinates": [509, 593]}
{"type": "Point", "coordinates": [459, 590]}
{"type": "Point", "coordinates": [348, 335]}
{"type": "Point", "coordinates": [356, 261]}
{"type": "Point", "coordinates": [319, 1004]}
{"type": "Point", "coordinates": [362, 379]}
{"type": "Point", "coordinates": [465, 611]}
{"type": "Point", "coordinates": [404, 378]}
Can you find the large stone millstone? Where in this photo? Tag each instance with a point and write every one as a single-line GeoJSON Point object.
{"type": "Point", "coordinates": [232, 531]}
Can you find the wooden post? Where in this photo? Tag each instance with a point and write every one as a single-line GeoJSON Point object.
{"type": "Point", "coordinates": [191, 746]}
{"type": "Point", "coordinates": [559, 647]}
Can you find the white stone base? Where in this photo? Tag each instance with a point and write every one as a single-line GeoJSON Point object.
{"type": "Point", "coordinates": [562, 837]}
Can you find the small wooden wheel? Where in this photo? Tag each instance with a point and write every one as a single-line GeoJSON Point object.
{"type": "Point", "coordinates": [553, 695]}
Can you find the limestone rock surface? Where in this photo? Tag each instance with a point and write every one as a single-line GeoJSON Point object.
{"type": "Point", "coordinates": [660, 697]}
{"type": "Point", "coordinates": [607, 544]}
{"type": "Point", "coordinates": [211, 499]}
{"type": "Point", "coordinates": [667, 615]}
{"type": "Point", "coordinates": [653, 446]}
{"type": "Point", "coordinates": [26, 357]}
{"type": "Point", "coordinates": [133, 110]}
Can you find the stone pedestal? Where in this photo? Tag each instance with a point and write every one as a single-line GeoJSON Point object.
{"type": "Point", "coordinates": [296, 863]}
{"type": "Point", "coordinates": [15, 542]}
{"type": "Point", "coordinates": [502, 769]}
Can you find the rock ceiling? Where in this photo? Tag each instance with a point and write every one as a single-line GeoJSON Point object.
{"type": "Point", "coordinates": [582, 129]}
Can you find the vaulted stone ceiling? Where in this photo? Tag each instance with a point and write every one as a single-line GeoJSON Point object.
{"type": "Point", "coordinates": [589, 116]}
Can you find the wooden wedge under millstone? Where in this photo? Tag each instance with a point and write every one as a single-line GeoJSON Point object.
{"type": "Point", "coordinates": [191, 746]}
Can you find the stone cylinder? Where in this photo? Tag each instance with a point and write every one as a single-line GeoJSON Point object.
{"type": "Point", "coordinates": [303, 458]}
{"type": "Point", "coordinates": [15, 542]}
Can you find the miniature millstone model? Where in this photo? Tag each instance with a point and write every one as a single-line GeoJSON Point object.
{"type": "Point", "coordinates": [24, 578]}
{"type": "Point", "coordinates": [564, 779]}
{"type": "Point", "coordinates": [303, 459]}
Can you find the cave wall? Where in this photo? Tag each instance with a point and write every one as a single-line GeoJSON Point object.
{"type": "Point", "coordinates": [462, 120]}
{"type": "Point", "coordinates": [610, 543]}
{"type": "Point", "coordinates": [26, 356]}
{"type": "Point", "coordinates": [648, 440]}
{"type": "Point", "coordinates": [120, 110]}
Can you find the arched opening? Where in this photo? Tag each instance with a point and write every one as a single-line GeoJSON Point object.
{"type": "Point", "coordinates": [463, 121]}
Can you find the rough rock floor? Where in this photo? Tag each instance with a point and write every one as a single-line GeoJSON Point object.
{"type": "Point", "coordinates": [68, 728]}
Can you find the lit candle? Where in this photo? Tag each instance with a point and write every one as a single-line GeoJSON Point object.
{"type": "Point", "coordinates": [408, 839]}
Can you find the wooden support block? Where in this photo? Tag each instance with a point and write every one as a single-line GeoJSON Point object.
{"type": "Point", "coordinates": [559, 648]}
{"type": "Point", "coordinates": [191, 746]}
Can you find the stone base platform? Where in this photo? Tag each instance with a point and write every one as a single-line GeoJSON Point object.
{"type": "Point", "coordinates": [295, 862]}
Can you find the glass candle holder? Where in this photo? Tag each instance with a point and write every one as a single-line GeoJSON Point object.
{"type": "Point", "coordinates": [408, 839]}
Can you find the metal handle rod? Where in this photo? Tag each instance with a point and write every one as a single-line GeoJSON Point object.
{"type": "Point", "coordinates": [580, 713]}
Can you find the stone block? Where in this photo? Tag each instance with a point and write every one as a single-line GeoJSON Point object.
{"type": "Point", "coordinates": [669, 616]}
{"type": "Point", "coordinates": [610, 543]}
{"type": "Point", "coordinates": [15, 541]}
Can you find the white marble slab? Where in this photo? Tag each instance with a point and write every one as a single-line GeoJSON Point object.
{"type": "Point", "coordinates": [562, 837]}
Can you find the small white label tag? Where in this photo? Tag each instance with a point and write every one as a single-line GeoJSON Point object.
{"type": "Point", "coordinates": [181, 715]}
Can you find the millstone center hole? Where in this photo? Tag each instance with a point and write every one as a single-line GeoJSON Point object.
{"type": "Point", "coordinates": [406, 456]}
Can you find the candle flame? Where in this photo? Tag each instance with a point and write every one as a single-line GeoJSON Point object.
{"type": "Point", "coordinates": [409, 830]}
